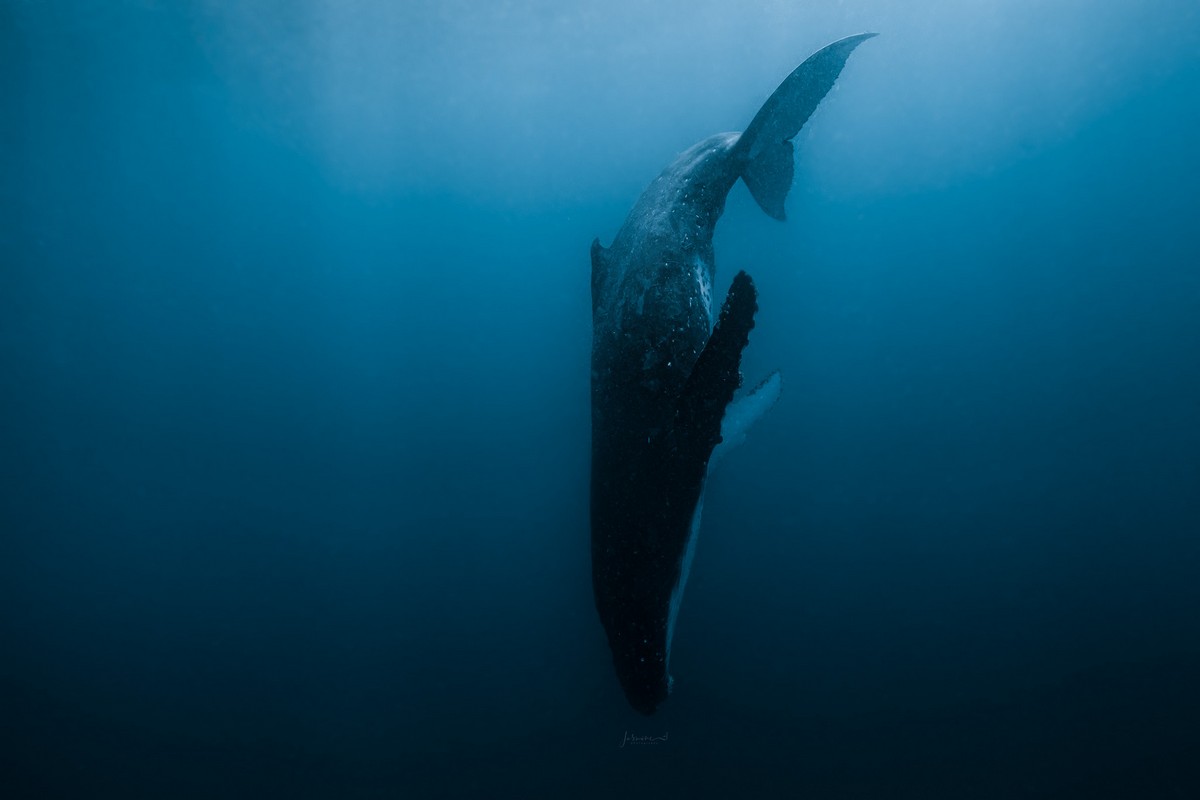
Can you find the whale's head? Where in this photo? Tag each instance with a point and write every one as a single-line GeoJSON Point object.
{"type": "Point", "coordinates": [644, 679]}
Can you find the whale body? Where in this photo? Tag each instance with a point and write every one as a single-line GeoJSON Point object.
{"type": "Point", "coordinates": [665, 368]}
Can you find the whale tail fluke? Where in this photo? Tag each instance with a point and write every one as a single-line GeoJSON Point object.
{"type": "Point", "coordinates": [769, 176]}
{"type": "Point", "coordinates": [767, 142]}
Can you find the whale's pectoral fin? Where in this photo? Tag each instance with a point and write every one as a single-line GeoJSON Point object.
{"type": "Point", "coordinates": [767, 141]}
{"type": "Point", "coordinates": [717, 373]}
{"type": "Point", "coordinates": [743, 413]}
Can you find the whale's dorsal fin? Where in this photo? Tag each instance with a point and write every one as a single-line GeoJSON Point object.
{"type": "Point", "coordinates": [767, 142]}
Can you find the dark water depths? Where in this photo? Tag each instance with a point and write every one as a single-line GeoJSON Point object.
{"type": "Point", "coordinates": [294, 333]}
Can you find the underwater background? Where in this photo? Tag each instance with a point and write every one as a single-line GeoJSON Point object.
{"type": "Point", "coordinates": [294, 401]}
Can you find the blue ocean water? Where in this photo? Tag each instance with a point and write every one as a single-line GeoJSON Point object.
{"type": "Point", "coordinates": [294, 413]}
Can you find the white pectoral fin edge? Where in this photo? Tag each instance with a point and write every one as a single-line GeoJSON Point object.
{"type": "Point", "coordinates": [739, 416]}
{"type": "Point", "coordinates": [742, 413]}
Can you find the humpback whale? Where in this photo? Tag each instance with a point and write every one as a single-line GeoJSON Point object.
{"type": "Point", "coordinates": [665, 369]}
